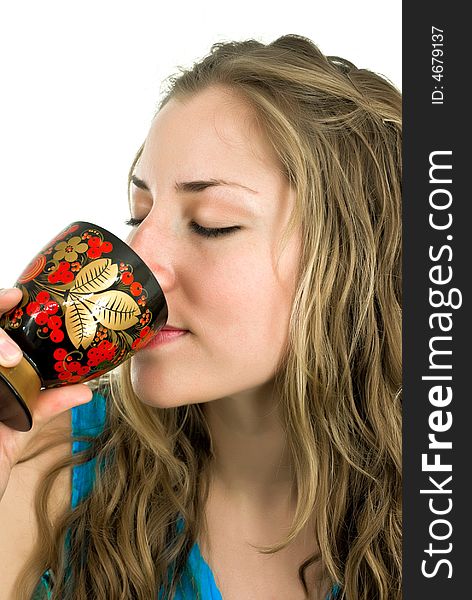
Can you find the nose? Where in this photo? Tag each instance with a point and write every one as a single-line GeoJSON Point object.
{"type": "Point", "coordinates": [154, 246]}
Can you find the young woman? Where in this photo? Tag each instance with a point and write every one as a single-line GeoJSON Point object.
{"type": "Point", "coordinates": [255, 454]}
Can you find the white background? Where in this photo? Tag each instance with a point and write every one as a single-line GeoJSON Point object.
{"type": "Point", "coordinates": [80, 82]}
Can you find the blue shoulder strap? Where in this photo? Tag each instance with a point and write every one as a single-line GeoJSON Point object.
{"type": "Point", "coordinates": [87, 419]}
{"type": "Point", "coordinates": [201, 574]}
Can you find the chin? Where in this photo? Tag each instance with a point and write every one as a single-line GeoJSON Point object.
{"type": "Point", "coordinates": [146, 393]}
{"type": "Point", "coordinates": [160, 402]}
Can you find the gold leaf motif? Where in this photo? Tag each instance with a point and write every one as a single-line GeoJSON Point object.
{"type": "Point", "coordinates": [79, 321]}
{"type": "Point", "coordinates": [113, 309]}
{"type": "Point", "coordinates": [95, 277]}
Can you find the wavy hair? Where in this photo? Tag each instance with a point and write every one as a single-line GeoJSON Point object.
{"type": "Point", "coordinates": [336, 130]}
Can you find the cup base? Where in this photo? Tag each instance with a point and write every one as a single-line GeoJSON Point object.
{"type": "Point", "coordinates": [18, 387]}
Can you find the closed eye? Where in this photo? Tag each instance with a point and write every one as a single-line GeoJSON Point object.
{"type": "Point", "coordinates": [203, 231]}
{"type": "Point", "coordinates": [132, 222]}
{"type": "Point", "coordinates": [212, 232]}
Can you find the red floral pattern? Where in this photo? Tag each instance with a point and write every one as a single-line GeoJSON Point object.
{"type": "Point", "coordinates": [42, 308]}
{"type": "Point", "coordinates": [144, 338]}
{"type": "Point", "coordinates": [127, 278]}
{"type": "Point", "coordinates": [15, 319]}
{"type": "Point", "coordinates": [146, 317]}
{"type": "Point", "coordinates": [97, 247]}
{"type": "Point", "coordinates": [105, 351]}
{"type": "Point", "coordinates": [136, 288]}
{"type": "Point", "coordinates": [68, 369]}
{"type": "Point", "coordinates": [62, 274]}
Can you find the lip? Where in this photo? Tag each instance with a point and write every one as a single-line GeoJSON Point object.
{"type": "Point", "coordinates": [172, 328]}
{"type": "Point", "coordinates": [165, 336]}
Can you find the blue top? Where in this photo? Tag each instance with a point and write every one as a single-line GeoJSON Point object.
{"type": "Point", "coordinates": [89, 419]}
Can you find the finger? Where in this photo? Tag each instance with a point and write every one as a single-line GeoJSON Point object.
{"type": "Point", "coordinates": [10, 352]}
{"type": "Point", "coordinates": [9, 297]}
{"type": "Point", "coordinates": [48, 405]}
{"type": "Point", "coordinates": [53, 402]}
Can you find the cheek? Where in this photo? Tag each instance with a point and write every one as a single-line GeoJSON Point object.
{"type": "Point", "coordinates": [242, 302]}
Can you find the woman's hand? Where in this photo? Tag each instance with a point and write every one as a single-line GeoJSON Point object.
{"type": "Point", "coordinates": [48, 405]}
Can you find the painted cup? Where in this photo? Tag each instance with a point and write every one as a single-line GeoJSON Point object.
{"type": "Point", "coordinates": [89, 303]}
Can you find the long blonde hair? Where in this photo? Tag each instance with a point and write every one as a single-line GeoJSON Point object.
{"type": "Point", "coordinates": [336, 130]}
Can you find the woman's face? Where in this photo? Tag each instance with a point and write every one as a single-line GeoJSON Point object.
{"type": "Point", "coordinates": [231, 292]}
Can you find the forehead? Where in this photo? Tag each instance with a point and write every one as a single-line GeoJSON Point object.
{"type": "Point", "coordinates": [213, 133]}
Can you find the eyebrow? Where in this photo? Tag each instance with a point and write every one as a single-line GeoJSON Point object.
{"type": "Point", "coordinates": [194, 186]}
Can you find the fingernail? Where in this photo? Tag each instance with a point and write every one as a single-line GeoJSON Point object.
{"type": "Point", "coordinates": [4, 291]}
{"type": "Point", "coordinates": [9, 354]}
{"type": "Point", "coordinates": [8, 350]}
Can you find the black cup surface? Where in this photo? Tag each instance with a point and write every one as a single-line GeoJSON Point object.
{"type": "Point", "coordinates": [89, 303]}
